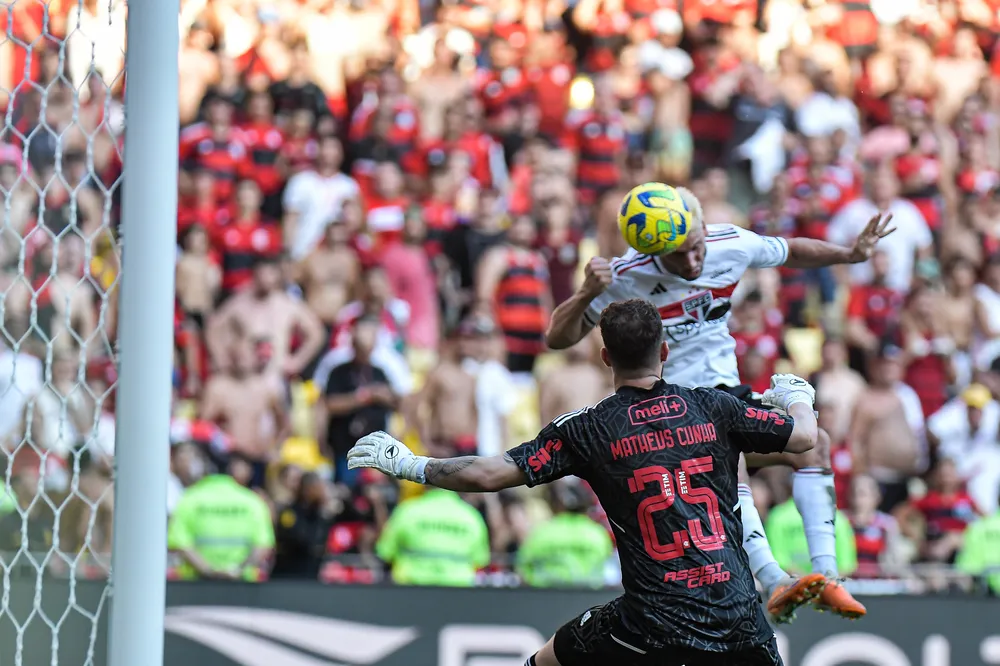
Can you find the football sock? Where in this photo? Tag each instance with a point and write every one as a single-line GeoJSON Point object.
{"type": "Point", "coordinates": [762, 563]}
{"type": "Point", "coordinates": [816, 500]}
{"type": "Point", "coordinates": [531, 661]}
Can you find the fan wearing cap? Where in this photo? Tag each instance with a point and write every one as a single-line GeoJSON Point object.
{"type": "Point", "coordinates": [883, 431]}
{"type": "Point", "coordinates": [963, 426]}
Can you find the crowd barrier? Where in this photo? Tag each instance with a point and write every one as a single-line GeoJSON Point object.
{"type": "Point", "coordinates": [309, 624]}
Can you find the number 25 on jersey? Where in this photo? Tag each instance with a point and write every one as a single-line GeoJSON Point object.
{"type": "Point", "coordinates": [674, 484]}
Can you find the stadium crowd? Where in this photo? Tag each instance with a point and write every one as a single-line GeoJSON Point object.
{"type": "Point", "coordinates": [382, 200]}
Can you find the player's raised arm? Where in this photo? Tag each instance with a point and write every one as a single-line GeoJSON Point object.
{"type": "Point", "coordinates": [812, 253]}
{"type": "Point", "coordinates": [548, 457]}
{"type": "Point", "coordinates": [569, 322]}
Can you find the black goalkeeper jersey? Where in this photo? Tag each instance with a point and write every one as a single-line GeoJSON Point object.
{"type": "Point", "coordinates": [663, 464]}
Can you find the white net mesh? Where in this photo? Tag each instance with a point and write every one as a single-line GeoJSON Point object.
{"type": "Point", "coordinates": [61, 80]}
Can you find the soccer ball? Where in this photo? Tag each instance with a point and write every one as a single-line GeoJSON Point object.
{"type": "Point", "coordinates": [654, 219]}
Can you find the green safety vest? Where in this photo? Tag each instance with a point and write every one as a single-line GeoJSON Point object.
{"type": "Point", "coordinates": [8, 502]}
{"type": "Point", "coordinates": [220, 520]}
{"type": "Point", "coordinates": [569, 550]}
{"type": "Point", "coordinates": [981, 550]}
{"type": "Point", "coordinates": [787, 536]}
{"type": "Point", "coordinates": [435, 539]}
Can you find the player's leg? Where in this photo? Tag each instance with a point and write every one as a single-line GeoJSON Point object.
{"type": "Point", "coordinates": [598, 638]}
{"type": "Point", "coordinates": [785, 593]}
{"type": "Point", "coordinates": [815, 498]}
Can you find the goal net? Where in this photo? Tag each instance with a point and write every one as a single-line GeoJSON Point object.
{"type": "Point", "coordinates": [61, 90]}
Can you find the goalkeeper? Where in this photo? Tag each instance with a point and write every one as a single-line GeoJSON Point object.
{"type": "Point", "coordinates": [663, 461]}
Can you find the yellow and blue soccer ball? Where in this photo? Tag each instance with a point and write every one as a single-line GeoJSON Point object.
{"type": "Point", "coordinates": [654, 219]}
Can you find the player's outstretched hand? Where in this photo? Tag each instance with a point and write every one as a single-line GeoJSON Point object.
{"type": "Point", "coordinates": [786, 390]}
{"type": "Point", "coordinates": [597, 277]}
{"type": "Point", "coordinates": [383, 452]}
{"type": "Point", "coordinates": [876, 229]}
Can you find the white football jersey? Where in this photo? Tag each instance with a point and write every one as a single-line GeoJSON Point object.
{"type": "Point", "coordinates": [695, 313]}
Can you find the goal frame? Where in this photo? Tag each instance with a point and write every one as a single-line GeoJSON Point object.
{"type": "Point", "coordinates": [145, 334]}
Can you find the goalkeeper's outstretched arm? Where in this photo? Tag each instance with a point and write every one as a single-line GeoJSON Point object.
{"type": "Point", "coordinates": [467, 474]}
{"type": "Point", "coordinates": [474, 473]}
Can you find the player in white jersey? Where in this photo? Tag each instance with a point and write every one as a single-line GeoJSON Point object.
{"type": "Point", "coordinates": [692, 288]}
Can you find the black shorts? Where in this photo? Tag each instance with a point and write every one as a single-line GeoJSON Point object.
{"type": "Point", "coordinates": [597, 638]}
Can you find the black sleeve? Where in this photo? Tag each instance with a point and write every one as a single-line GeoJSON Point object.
{"type": "Point", "coordinates": [320, 108]}
{"type": "Point", "coordinates": [749, 428]}
{"type": "Point", "coordinates": [339, 382]}
{"type": "Point", "coordinates": [559, 449]}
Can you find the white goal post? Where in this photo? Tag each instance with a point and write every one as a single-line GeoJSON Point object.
{"type": "Point", "coordinates": [145, 334]}
{"type": "Point", "coordinates": [77, 559]}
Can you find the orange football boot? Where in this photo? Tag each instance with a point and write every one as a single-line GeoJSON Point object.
{"type": "Point", "coordinates": [788, 597]}
{"type": "Point", "coordinates": [835, 598]}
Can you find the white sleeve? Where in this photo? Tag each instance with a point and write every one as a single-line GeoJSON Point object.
{"type": "Point", "coordinates": [940, 423]}
{"type": "Point", "coordinates": [763, 251]}
{"type": "Point", "coordinates": [295, 194]}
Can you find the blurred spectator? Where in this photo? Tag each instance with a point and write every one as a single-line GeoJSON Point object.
{"type": "Point", "coordinates": [249, 406]}
{"type": "Point", "coordinates": [912, 239]}
{"type": "Point", "coordinates": [838, 389]}
{"type": "Point", "coordinates": [199, 277]}
{"type": "Point", "coordinates": [187, 467]}
{"type": "Point", "coordinates": [30, 518]}
{"type": "Point", "coordinates": [873, 312]}
{"type": "Point", "coordinates": [270, 317]}
{"type": "Point", "coordinates": [411, 278]}
{"type": "Point", "coordinates": [963, 425]}
{"type": "Point", "coordinates": [570, 549]}
{"type": "Point", "coordinates": [359, 398]}
{"type": "Point", "coordinates": [330, 273]}
{"type": "Point", "coordinates": [303, 527]}
{"type": "Point", "coordinates": [221, 530]}
{"type": "Point", "coordinates": [314, 198]}
{"type": "Point", "coordinates": [62, 414]}
{"type": "Point", "coordinates": [876, 534]}
{"type": "Point", "coordinates": [884, 442]}
{"type": "Point", "coordinates": [944, 513]}
{"type": "Point", "coordinates": [513, 282]}
{"type": "Point", "coordinates": [436, 539]}
{"type": "Point", "coordinates": [980, 553]}
{"type": "Point", "coordinates": [758, 341]}
{"type": "Point", "coordinates": [578, 384]}
{"type": "Point", "coordinates": [929, 350]}
{"type": "Point", "coordinates": [20, 380]}
{"type": "Point", "coordinates": [245, 239]}
{"type": "Point", "coordinates": [467, 396]}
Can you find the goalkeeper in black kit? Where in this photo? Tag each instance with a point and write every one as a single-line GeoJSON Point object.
{"type": "Point", "coordinates": [663, 464]}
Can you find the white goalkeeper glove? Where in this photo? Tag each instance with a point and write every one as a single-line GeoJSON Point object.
{"type": "Point", "coordinates": [786, 390]}
{"type": "Point", "coordinates": [383, 452]}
